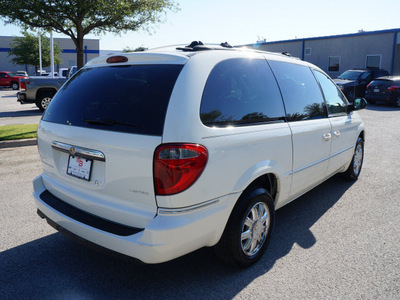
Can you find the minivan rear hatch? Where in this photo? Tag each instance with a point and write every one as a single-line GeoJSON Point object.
{"type": "Point", "coordinates": [97, 139]}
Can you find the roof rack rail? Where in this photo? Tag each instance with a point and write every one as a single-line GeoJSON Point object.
{"type": "Point", "coordinates": [199, 46]}
{"type": "Point", "coordinates": [194, 46]}
{"type": "Point", "coordinates": [226, 45]}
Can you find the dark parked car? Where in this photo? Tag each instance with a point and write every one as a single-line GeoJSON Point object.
{"type": "Point", "coordinates": [384, 89]}
{"type": "Point", "coordinates": [354, 82]}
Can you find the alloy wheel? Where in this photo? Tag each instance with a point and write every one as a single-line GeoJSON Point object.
{"type": "Point", "coordinates": [255, 229]}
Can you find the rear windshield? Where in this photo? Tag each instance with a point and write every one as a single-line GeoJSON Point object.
{"type": "Point", "coordinates": [350, 75]}
{"type": "Point", "coordinates": [384, 81]}
{"type": "Point", "coordinates": [130, 99]}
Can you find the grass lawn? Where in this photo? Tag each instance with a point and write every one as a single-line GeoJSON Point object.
{"type": "Point", "coordinates": [16, 132]}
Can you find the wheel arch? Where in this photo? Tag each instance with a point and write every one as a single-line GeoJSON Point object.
{"type": "Point", "coordinates": [43, 91]}
{"type": "Point", "coordinates": [362, 135]}
{"type": "Point", "coordinates": [262, 174]}
{"type": "Point", "coordinates": [268, 181]}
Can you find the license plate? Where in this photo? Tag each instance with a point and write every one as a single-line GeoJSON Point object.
{"type": "Point", "coordinates": [79, 167]}
{"type": "Point", "coordinates": [376, 90]}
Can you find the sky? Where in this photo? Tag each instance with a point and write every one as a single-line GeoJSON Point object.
{"type": "Point", "coordinates": [240, 22]}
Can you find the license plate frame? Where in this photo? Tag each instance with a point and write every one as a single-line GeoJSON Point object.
{"type": "Point", "coordinates": [79, 167]}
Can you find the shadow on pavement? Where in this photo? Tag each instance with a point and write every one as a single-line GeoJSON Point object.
{"type": "Point", "coordinates": [9, 96]}
{"type": "Point", "coordinates": [20, 113]}
{"type": "Point", "coordinates": [382, 107]}
{"type": "Point", "coordinates": [53, 267]}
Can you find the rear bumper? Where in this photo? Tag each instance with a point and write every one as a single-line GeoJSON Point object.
{"type": "Point", "coordinates": [22, 98]}
{"type": "Point", "coordinates": [384, 98]}
{"type": "Point", "coordinates": [169, 235]}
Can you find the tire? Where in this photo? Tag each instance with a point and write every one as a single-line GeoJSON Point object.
{"type": "Point", "coordinates": [15, 85]}
{"type": "Point", "coordinates": [43, 101]}
{"type": "Point", "coordinates": [370, 101]}
{"type": "Point", "coordinates": [397, 102]}
{"type": "Point", "coordinates": [246, 235]}
{"type": "Point", "coordinates": [350, 96]}
{"type": "Point", "coordinates": [354, 169]}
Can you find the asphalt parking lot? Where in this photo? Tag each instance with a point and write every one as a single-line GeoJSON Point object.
{"type": "Point", "coordinates": [13, 113]}
{"type": "Point", "coordinates": [339, 241]}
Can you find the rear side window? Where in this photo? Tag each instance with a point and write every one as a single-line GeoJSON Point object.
{"type": "Point", "coordinates": [131, 99]}
{"type": "Point", "coordinates": [241, 91]}
{"type": "Point", "coordinates": [300, 91]}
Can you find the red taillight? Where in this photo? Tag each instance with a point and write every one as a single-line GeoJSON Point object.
{"type": "Point", "coordinates": [368, 86]}
{"type": "Point", "coordinates": [393, 88]}
{"type": "Point", "coordinates": [117, 59]}
{"type": "Point", "coordinates": [177, 167]}
{"type": "Point", "coordinates": [22, 85]}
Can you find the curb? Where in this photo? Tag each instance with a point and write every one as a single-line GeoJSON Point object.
{"type": "Point", "coordinates": [18, 143]}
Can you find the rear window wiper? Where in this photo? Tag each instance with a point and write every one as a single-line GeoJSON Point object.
{"type": "Point", "coordinates": [108, 122]}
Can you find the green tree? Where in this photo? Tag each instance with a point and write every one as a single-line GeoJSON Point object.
{"type": "Point", "coordinates": [25, 50]}
{"type": "Point", "coordinates": [138, 49]}
{"type": "Point", "coordinates": [77, 18]}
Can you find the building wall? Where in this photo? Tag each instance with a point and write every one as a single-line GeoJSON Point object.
{"type": "Point", "coordinates": [68, 55]}
{"type": "Point", "coordinates": [295, 48]}
{"type": "Point", "coordinates": [352, 50]}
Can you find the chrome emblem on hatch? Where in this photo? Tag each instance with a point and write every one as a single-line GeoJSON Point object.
{"type": "Point", "coordinates": [72, 151]}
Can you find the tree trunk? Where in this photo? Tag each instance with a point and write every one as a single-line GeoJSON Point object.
{"type": "Point", "coordinates": [79, 49]}
{"type": "Point", "coordinates": [79, 57]}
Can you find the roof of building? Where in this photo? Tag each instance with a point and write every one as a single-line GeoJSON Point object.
{"type": "Point", "coordinates": [360, 33]}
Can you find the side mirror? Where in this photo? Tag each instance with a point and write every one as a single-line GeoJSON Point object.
{"type": "Point", "coordinates": [359, 103]}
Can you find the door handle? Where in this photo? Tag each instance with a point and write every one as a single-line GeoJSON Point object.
{"type": "Point", "coordinates": [336, 133]}
{"type": "Point", "coordinates": [327, 136]}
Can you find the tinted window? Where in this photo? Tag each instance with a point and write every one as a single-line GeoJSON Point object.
{"type": "Point", "coordinates": [241, 91]}
{"type": "Point", "coordinates": [373, 61]}
{"type": "Point", "coordinates": [334, 63]}
{"type": "Point", "coordinates": [300, 91]}
{"type": "Point", "coordinates": [119, 98]}
{"type": "Point", "coordinates": [381, 73]}
{"type": "Point", "coordinates": [335, 100]}
{"type": "Point", "coordinates": [366, 76]}
{"type": "Point", "coordinates": [350, 75]}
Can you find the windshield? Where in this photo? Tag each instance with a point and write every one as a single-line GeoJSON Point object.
{"type": "Point", "coordinates": [350, 75]}
{"type": "Point", "coordinates": [11, 74]}
{"type": "Point", "coordinates": [128, 98]}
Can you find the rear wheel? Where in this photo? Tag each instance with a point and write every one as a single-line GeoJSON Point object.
{"type": "Point", "coordinates": [15, 85]}
{"type": "Point", "coordinates": [350, 96]}
{"type": "Point", "coordinates": [354, 170]}
{"type": "Point", "coordinates": [370, 101]}
{"type": "Point", "coordinates": [397, 102]}
{"type": "Point", "coordinates": [249, 229]}
{"type": "Point", "coordinates": [43, 101]}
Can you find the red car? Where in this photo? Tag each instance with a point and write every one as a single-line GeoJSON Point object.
{"type": "Point", "coordinates": [10, 79]}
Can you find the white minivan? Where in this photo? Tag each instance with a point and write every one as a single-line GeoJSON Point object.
{"type": "Point", "coordinates": [156, 154]}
